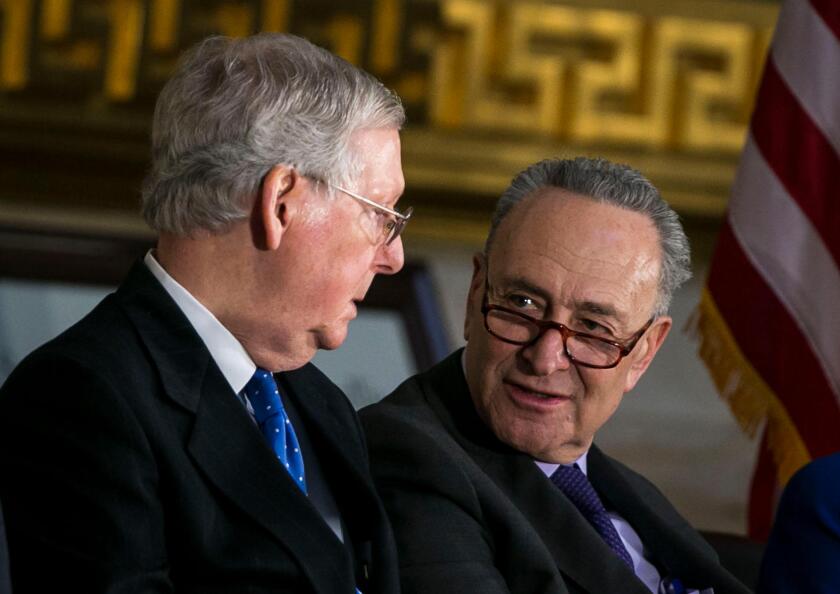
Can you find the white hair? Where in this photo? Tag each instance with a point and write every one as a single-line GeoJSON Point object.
{"type": "Point", "coordinates": [235, 108]}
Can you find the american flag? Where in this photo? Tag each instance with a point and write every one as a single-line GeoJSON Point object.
{"type": "Point", "coordinates": [769, 317]}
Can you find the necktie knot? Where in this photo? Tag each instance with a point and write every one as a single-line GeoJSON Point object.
{"type": "Point", "coordinates": [261, 391]}
{"type": "Point", "coordinates": [263, 395]}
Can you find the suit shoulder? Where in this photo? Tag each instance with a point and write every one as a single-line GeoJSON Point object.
{"type": "Point", "coordinates": [820, 477]}
{"type": "Point", "coordinates": [405, 396]}
{"type": "Point", "coordinates": [816, 486]}
{"type": "Point", "coordinates": [96, 341]}
{"type": "Point", "coordinates": [99, 362]}
{"type": "Point", "coordinates": [404, 408]}
{"type": "Point", "coordinates": [408, 438]}
{"type": "Point", "coordinates": [421, 398]}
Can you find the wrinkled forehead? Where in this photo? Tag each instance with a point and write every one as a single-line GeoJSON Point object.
{"type": "Point", "coordinates": [379, 162]}
{"type": "Point", "coordinates": [558, 237]}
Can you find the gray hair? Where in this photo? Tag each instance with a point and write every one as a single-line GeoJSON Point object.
{"type": "Point", "coordinates": [235, 108]}
{"type": "Point", "coordinates": [609, 183]}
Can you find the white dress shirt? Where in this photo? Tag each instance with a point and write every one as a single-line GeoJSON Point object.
{"type": "Point", "coordinates": [228, 353]}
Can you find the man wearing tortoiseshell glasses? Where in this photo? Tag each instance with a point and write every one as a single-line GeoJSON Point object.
{"type": "Point", "coordinates": [486, 462]}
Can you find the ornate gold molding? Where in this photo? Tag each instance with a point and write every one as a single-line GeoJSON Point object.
{"type": "Point", "coordinates": [490, 85]}
{"type": "Point", "coordinates": [598, 75]}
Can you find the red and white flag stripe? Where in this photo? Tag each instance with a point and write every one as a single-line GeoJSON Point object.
{"type": "Point", "coordinates": [769, 319]}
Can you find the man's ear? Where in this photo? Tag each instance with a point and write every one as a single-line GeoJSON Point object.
{"type": "Point", "coordinates": [476, 292]}
{"type": "Point", "coordinates": [277, 202]}
{"type": "Point", "coordinates": [646, 349]}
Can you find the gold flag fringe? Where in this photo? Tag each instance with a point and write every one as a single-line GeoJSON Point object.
{"type": "Point", "coordinates": [751, 400]}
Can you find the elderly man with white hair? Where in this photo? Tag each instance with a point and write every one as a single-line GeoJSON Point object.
{"type": "Point", "coordinates": [177, 439]}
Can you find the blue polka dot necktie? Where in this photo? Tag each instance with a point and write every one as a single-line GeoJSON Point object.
{"type": "Point", "coordinates": [575, 486]}
{"type": "Point", "coordinates": [274, 423]}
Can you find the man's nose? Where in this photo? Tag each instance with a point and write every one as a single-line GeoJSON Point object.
{"type": "Point", "coordinates": [390, 257]}
{"type": "Point", "coordinates": [546, 354]}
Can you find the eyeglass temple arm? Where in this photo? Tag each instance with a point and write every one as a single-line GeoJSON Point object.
{"type": "Point", "coordinates": [370, 202]}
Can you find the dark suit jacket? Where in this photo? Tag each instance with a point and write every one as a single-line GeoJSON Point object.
{"type": "Point", "coordinates": [471, 514]}
{"type": "Point", "coordinates": [129, 465]}
{"type": "Point", "coordinates": [803, 553]}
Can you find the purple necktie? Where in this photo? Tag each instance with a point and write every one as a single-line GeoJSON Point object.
{"type": "Point", "coordinates": [575, 486]}
{"type": "Point", "coordinates": [274, 423]}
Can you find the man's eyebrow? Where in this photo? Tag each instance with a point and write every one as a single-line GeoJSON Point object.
{"type": "Point", "coordinates": [601, 309]}
{"type": "Point", "coordinates": [593, 307]}
{"type": "Point", "coordinates": [522, 284]}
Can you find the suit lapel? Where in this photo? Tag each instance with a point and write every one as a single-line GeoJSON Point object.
{"type": "Point", "coordinates": [224, 442]}
{"type": "Point", "coordinates": [330, 420]}
{"type": "Point", "coordinates": [579, 551]}
{"type": "Point", "coordinates": [174, 346]}
{"type": "Point", "coordinates": [339, 452]}
{"type": "Point", "coordinates": [229, 448]}
{"type": "Point", "coordinates": [672, 550]}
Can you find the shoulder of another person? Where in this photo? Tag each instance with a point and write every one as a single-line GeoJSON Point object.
{"type": "Point", "coordinates": [407, 438]}
{"type": "Point", "coordinates": [819, 476]}
{"type": "Point", "coordinates": [405, 419]}
{"type": "Point", "coordinates": [405, 401]}
{"type": "Point", "coordinates": [814, 486]}
{"type": "Point", "coordinates": [420, 397]}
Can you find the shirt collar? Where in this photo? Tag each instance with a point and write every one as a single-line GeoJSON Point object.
{"type": "Point", "coordinates": [228, 353]}
{"type": "Point", "coordinates": [548, 468]}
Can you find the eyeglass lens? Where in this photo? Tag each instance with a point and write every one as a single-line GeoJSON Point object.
{"type": "Point", "coordinates": [587, 350]}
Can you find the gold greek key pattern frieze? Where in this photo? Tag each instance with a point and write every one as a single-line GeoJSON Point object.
{"type": "Point", "coordinates": [591, 75]}
{"type": "Point", "coordinates": [112, 48]}
{"type": "Point", "coordinates": [600, 73]}
{"type": "Point", "coordinates": [121, 51]}
{"type": "Point", "coordinates": [15, 43]}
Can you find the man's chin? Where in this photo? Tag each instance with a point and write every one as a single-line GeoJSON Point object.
{"type": "Point", "coordinates": [332, 338]}
{"type": "Point", "coordinates": [541, 443]}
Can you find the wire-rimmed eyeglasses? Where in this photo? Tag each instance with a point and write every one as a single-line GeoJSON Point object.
{"type": "Point", "coordinates": [395, 220]}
